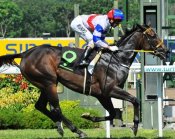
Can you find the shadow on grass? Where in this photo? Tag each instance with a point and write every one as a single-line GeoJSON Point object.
{"type": "Point", "coordinates": [129, 138]}
{"type": "Point", "coordinates": [105, 138]}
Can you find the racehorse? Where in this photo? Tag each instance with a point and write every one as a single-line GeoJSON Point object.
{"type": "Point", "coordinates": [41, 67]}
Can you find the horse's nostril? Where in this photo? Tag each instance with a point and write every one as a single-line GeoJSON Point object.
{"type": "Point", "coordinates": [155, 51]}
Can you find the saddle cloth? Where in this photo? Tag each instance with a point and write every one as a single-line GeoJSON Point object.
{"type": "Point", "coordinates": [71, 58]}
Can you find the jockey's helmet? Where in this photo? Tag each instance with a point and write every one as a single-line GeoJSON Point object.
{"type": "Point", "coordinates": [116, 15]}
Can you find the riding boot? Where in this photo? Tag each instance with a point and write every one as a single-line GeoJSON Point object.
{"type": "Point", "coordinates": [86, 54]}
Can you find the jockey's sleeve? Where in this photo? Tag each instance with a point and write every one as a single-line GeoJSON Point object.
{"type": "Point", "coordinates": [99, 36]}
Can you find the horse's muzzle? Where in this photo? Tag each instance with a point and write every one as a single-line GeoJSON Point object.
{"type": "Point", "coordinates": [168, 53]}
{"type": "Point", "coordinates": [161, 53]}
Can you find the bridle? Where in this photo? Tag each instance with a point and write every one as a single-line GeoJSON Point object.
{"type": "Point", "coordinates": [148, 30]}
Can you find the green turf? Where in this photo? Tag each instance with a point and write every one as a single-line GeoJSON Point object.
{"type": "Point", "coordinates": [125, 133]}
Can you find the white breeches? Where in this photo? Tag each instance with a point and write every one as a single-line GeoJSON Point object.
{"type": "Point", "coordinates": [78, 26]}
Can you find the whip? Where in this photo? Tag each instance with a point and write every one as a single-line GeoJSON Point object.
{"type": "Point", "coordinates": [142, 51]}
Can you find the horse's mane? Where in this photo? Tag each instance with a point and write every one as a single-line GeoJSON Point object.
{"type": "Point", "coordinates": [127, 33]}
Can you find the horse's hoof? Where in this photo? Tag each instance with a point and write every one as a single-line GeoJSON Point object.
{"type": "Point", "coordinates": [82, 135]}
{"type": "Point", "coordinates": [60, 128]}
{"type": "Point", "coordinates": [60, 131]}
{"type": "Point", "coordinates": [135, 129]}
{"type": "Point", "coordinates": [85, 114]}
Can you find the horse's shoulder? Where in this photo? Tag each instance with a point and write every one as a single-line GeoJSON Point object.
{"type": "Point", "coordinates": [106, 54]}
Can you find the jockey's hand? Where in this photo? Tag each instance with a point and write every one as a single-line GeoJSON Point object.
{"type": "Point", "coordinates": [113, 48]}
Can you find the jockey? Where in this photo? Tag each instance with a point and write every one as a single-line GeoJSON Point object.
{"type": "Point", "coordinates": [93, 28]}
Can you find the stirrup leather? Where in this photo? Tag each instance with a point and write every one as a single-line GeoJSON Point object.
{"type": "Point", "coordinates": [85, 57]}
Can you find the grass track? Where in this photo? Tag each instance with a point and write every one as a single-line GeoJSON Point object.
{"type": "Point", "coordinates": [93, 133]}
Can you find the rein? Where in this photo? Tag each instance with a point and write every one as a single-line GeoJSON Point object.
{"type": "Point", "coordinates": [143, 51]}
{"type": "Point", "coordinates": [107, 70]}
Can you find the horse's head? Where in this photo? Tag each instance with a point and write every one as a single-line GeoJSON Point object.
{"type": "Point", "coordinates": [152, 42]}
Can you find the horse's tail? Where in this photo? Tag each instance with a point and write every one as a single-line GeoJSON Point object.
{"type": "Point", "coordinates": [9, 59]}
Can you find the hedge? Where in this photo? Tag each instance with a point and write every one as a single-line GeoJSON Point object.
{"type": "Point", "coordinates": [17, 109]}
{"type": "Point", "coordinates": [29, 117]}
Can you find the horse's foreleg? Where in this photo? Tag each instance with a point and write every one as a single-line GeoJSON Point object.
{"type": "Point", "coordinates": [73, 128]}
{"type": "Point", "coordinates": [107, 104]}
{"type": "Point", "coordinates": [124, 95]}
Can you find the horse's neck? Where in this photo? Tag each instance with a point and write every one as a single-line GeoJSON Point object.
{"type": "Point", "coordinates": [127, 55]}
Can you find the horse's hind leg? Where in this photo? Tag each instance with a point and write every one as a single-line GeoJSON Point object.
{"type": "Point", "coordinates": [56, 113]}
{"type": "Point", "coordinates": [41, 105]}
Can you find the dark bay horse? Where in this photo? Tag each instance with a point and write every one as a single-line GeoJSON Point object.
{"type": "Point", "coordinates": [40, 66]}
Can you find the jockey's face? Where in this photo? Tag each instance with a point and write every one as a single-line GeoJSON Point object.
{"type": "Point", "coordinates": [115, 22]}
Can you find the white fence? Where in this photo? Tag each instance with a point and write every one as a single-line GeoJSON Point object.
{"type": "Point", "coordinates": [133, 73]}
{"type": "Point", "coordinates": [9, 70]}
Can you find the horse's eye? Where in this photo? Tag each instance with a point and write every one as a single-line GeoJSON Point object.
{"type": "Point", "coordinates": [152, 33]}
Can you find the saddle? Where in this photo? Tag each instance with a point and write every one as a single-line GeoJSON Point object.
{"type": "Point", "coordinates": [71, 58]}
{"type": "Point", "coordinates": [70, 61]}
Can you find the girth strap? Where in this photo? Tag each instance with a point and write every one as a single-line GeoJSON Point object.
{"type": "Point", "coordinates": [87, 83]}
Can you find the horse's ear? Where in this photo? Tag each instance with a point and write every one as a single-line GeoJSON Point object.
{"type": "Point", "coordinates": [149, 23]}
{"type": "Point", "coordinates": [141, 27]}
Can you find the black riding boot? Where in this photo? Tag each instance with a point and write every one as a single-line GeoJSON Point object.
{"type": "Point", "coordinates": [86, 54]}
